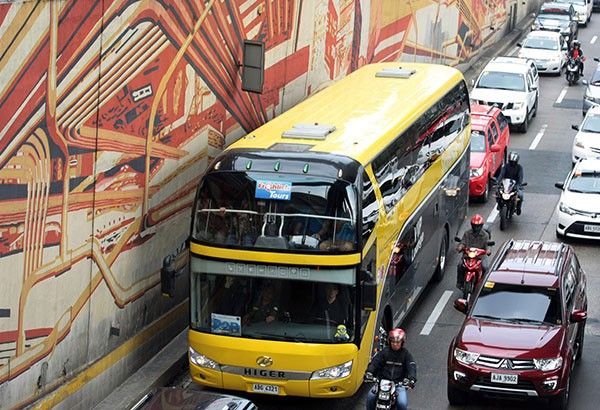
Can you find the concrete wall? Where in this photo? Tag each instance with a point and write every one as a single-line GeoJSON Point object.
{"type": "Point", "coordinates": [110, 110]}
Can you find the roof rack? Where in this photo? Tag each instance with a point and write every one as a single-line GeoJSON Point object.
{"type": "Point", "coordinates": [314, 131]}
{"type": "Point", "coordinates": [395, 72]}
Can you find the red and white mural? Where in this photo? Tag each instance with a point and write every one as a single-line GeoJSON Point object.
{"type": "Point", "coordinates": [110, 111]}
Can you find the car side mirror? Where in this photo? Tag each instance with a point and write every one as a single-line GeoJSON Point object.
{"type": "Point", "coordinates": [596, 59]}
{"type": "Point", "coordinates": [575, 127]}
{"type": "Point", "coordinates": [368, 292]}
{"type": "Point", "coordinates": [585, 82]}
{"type": "Point", "coordinates": [524, 184]}
{"type": "Point", "coordinates": [491, 243]}
{"type": "Point", "coordinates": [472, 81]}
{"type": "Point", "coordinates": [519, 45]}
{"type": "Point", "coordinates": [461, 305]}
{"type": "Point", "coordinates": [533, 87]}
{"type": "Point", "coordinates": [559, 185]}
{"type": "Point", "coordinates": [496, 148]}
{"type": "Point", "coordinates": [578, 315]}
{"type": "Point", "coordinates": [456, 239]}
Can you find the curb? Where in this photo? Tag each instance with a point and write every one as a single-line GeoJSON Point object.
{"type": "Point", "coordinates": [159, 371]}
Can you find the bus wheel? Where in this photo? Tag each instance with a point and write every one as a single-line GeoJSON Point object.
{"type": "Point", "coordinates": [441, 265]}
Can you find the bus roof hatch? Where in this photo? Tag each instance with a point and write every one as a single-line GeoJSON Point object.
{"type": "Point", "coordinates": [395, 72]}
{"type": "Point", "coordinates": [309, 131]}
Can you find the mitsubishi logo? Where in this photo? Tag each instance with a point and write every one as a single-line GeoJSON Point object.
{"type": "Point", "coordinates": [506, 364]}
{"type": "Point", "coordinates": [264, 361]}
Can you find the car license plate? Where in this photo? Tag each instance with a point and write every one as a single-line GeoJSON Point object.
{"type": "Point", "coordinates": [591, 228]}
{"type": "Point", "coordinates": [505, 378]}
{"type": "Point", "coordinates": [265, 388]}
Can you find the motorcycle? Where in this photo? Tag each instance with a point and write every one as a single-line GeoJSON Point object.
{"type": "Point", "coordinates": [472, 262]}
{"type": "Point", "coordinates": [386, 392]}
{"type": "Point", "coordinates": [507, 198]}
{"type": "Point", "coordinates": [572, 72]}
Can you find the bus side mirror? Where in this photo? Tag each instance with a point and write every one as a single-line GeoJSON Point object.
{"type": "Point", "coordinates": [368, 292]}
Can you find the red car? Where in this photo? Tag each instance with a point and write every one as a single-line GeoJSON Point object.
{"type": "Point", "coordinates": [489, 143]}
{"type": "Point", "coordinates": [524, 326]}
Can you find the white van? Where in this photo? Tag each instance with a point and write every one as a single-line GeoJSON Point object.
{"type": "Point", "coordinates": [511, 84]}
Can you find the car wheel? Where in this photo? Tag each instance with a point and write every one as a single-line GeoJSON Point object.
{"type": "Point", "coordinates": [561, 402]}
{"type": "Point", "coordinates": [580, 343]}
{"type": "Point", "coordinates": [441, 265]}
{"type": "Point", "coordinates": [457, 397]}
{"type": "Point", "coordinates": [523, 127]}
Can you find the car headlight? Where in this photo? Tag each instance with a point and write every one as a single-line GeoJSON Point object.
{"type": "Point", "coordinates": [200, 360]}
{"type": "Point", "coordinates": [476, 172]}
{"type": "Point", "coordinates": [536, 25]}
{"type": "Point", "coordinates": [465, 357]}
{"type": "Point", "coordinates": [335, 372]}
{"type": "Point", "coordinates": [548, 365]}
{"type": "Point", "coordinates": [517, 105]}
{"type": "Point", "coordinates": [565, 209]}
{"type": "Point", "coordinates": [579, 144]}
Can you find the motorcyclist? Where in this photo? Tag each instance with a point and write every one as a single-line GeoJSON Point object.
{"type": "Point", "coordinates": [577, 53]}
{"type": "Point", "coordinates": [393, 363]}
{"type": "Point", "coordinates": [513, 170]}
{"type": "Point", "coordinates": [476, 237]}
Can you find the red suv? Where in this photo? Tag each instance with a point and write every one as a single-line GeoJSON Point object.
{"type": "Point", "coordinates": [524, 326]}
{"type": "Point", "coordinates": [489, 142]}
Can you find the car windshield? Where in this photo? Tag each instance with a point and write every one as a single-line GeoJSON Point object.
{"type": "Point", "coordinates": [591, 123]}
{"type": "Point", "coordinates": [501, 81]}
{"type": "Point", "coordinates": [477, 141]}
{"type": "Point", "coordinates": [518, 303]}
{"type": "Point", "coordinates": [587, 183]}
{"type": "Point", "coordinates": [574, 2]}
{"type": "Point", "coordinates": [596, 78]}
{"type": "Point", "coordinates": [554, 16]}
{"type": "Point", "coordinates": [541, 43]}
{"type": "Point", "coordinates": [281, 211]}
{"type": "Point", "coordinates": [273, 302]}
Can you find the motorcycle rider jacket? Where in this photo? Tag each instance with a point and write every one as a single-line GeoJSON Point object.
{"type": "Point", "coordinates": [394, 365]}
{"type": "Point", "coordinates": [512, 171]}
{"type": "Point", "coordinates": [479, 240]}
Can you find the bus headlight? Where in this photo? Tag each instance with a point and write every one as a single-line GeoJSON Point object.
{"type": "Point", "coordinates": [335, 372]}
{"type": "Point", "coordinates": [203, 361]}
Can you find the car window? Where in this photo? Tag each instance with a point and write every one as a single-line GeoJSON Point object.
{"type": "Point", "coordinates": [541, 43]}
{"type": "Point", "coordinates": [555, 16]}
{"type": "Point", "coordinates": [502, 81]}
{"type": "Point", "coordinates": [477, 141]}
{"type": "Point", "coordinates": [503, 122]}
{"type": "Point", "coordinates": [493, 137]}
{"type": "Point", "coordinates": [591, 123]}
{"type": "Point", "coordinates": [518, 303]}
{"type": "Point", "coordinates": [587, 183]}
{"type": "Point", "coordinates": [596, 78]}
{"type": "Point", "coordinates": [569, 289]}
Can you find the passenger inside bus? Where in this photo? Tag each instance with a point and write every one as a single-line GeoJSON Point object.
{"type": "Point", "coordinates": [330, 308]}
{"type": "Point", "coordinates": [233, 297]}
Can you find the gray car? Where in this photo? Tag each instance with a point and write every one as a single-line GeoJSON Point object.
{"type": "Point", "coordinates": [591, 96]}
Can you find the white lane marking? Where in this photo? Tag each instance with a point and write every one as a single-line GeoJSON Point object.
{"type": "Point", "coordinates": [594, 39]}
{"type": "Point", "coordinates": [435, 314]}
{"type": "Point", "coordinates": [490, 219]}
{"type": "Point", "coordinates": [561, 95]}
{"type": "Point", "coordinates": [538, 137]}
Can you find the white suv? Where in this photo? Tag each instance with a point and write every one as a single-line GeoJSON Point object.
{"type": "Point", "coordinates": [512, 85]}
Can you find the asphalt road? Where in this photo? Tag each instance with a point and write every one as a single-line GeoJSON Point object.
{"type": "Point", "coordinates": [544, 163]}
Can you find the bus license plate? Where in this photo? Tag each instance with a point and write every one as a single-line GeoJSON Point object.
{"type": "Point", "coordinates": [505, 378]}
{"type": "Point", "coordinates": [265, 388]}
{"type": "Point", "coordinates": [591, 228]}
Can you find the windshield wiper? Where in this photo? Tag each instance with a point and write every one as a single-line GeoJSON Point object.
{"type": "Point", "coordinates": [488, 317]}
{"type": "Point", "coordinates": [524, 320]}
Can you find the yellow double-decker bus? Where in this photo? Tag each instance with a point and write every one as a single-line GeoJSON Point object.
{"type": "Point", "coordinates": [316, 232]}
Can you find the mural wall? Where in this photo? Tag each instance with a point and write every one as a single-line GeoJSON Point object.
{"type": "Point", "coordinates": [110, 111]}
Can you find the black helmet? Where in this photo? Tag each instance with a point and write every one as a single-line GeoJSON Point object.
{"type": "Point", "coordinates": [576, 43]}
{"type": "Point", "coordinates": [513, 158]}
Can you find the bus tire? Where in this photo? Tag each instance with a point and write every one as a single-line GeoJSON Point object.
{"type": "Point", "coordinates": [438, 275]}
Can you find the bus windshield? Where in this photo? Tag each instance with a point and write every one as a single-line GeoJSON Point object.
{"type": "Point", "coordinates": [276, 211]}
{"type": "Point", "coordinates": [273, 302]}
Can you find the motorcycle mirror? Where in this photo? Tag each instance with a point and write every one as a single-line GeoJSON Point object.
{"type": "Point", "coordinates": [559, 185]}
{"type": "Point", "coordinates": [461, 305]}
{"type": "Point", "coordinates": [575, 127]}
{"type": "Point", "coordinates": [491, 243]}
{"type": "Point", "coordinates": [456, 239]}
{"type": "Point", "coordinates": [524, 184]}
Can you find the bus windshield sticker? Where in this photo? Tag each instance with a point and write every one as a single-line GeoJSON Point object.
{"type": "Point", "coordinates": [279, 190]}
{"type": "Point", "coordinates": [225, 324]}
